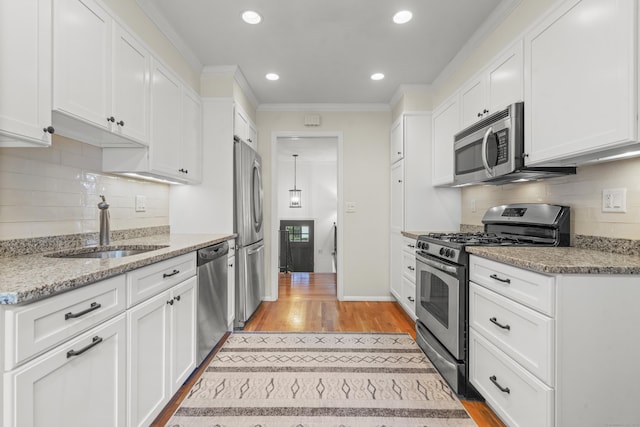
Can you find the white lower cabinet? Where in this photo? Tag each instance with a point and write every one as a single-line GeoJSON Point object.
{"type": "Point", "coordinates": [80, 383]}
{"type": "Point", "coordinates": [161, 352]}
{"type": "Point", "coordinates": [554, 350]}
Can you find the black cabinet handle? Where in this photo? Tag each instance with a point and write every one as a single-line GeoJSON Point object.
{"type": "Point", "coordinates": [411, 299]}
{"type": "Point", "coordinates": [494, 380]}
{"type": "Point", "coordinates": [173, 273]}
{"type": "Point", "coordinates": [49, 129]}
{"type": "Point", "coordinates": [499, 279]}
{"type": "Point", "coordinates": [230, 265]}
{"type": "Point", "coordinates": [411, 268]}
{"type": "Point", "coordinates": [495, 322]}
{"type": "Point", "coordinates": [177, 298]}
{"type": "Point", "coordinates": [479, 114]}
{"type": "Point", "coordinates": [96, 340]}
{"type": "Point", "coordinates": [120, 123]}
{"type": "Point", "coordinates": [485, 111]}
{"type": "Point", "coordinates": [249, 140]}
{"type": "Point", "coordinates": [170, 302]}
{"type": "Point", "coordinates": [412, 246]}
{"type": "Point", "coordinates": [92, 307]}
{"type": "Point", "coordinates": [111, 119]}
{"type": "Point", "coordinates": [183, 170]}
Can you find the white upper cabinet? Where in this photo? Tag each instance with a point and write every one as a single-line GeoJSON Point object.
{"type": "Point", "coordinates": [397, 197]}
{"type": "Point", "coordinates": [397, 141]}
{"type": "Point", "coordinates": [581, 81]}
{"type": "Point", "coordinates": [497, 86]}
{"type": "Point", "coordinates": [100, 77]}
{"type": "Point", "coordinates": [25, 73]}
{"type": "Point", "coordinates": [446, 122]}
{"type": "Point", "coordinates": [130, 104]}
{"type": "Point", "coordinates": [244, 128]}
{"type": "Point", "coordinates": [82, 61]}
{"type": "Point", "coordinates": [191, 150]}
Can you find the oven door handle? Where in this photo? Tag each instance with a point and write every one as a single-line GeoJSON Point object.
{"type": "Point", "coordinates": [438, 265]}
{"type": "Point", "coordinates": [485, 162]}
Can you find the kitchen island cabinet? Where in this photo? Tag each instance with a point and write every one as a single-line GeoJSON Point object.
{"type": "Point", "coordinates": [25, 110]}
{"type": "Point", "coordinates": [550, 349]}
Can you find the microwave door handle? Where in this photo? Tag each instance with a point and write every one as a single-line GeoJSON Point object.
{"type": "Point", "coordinates": [485, 163]}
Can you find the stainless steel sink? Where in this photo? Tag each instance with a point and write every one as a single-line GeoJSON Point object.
{"type": "Point", "coordinates": [106, 251]}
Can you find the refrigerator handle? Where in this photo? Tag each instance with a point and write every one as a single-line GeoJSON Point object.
{"type": "Point", "coordinates": [253, 251]}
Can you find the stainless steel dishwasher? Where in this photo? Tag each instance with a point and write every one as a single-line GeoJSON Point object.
{"type": "Point", "coordinates": [212, 297]}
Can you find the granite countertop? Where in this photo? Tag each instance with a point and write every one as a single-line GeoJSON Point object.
{"type": "Point", "coordinates": [27, 278]}
{"type": "Point", "coordinates": [560, 260]}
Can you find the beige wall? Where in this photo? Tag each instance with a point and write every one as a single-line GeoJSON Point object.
{"type": "Point", "coordinates": [582, 192]}
{"type": "Point", "coordinates": [139, 23]}
{"type": "Point", "coordinates": [54, 191]}
{"type": "Point", "coordinates": [411, 101]}
{"type": "Point", "coordinates": [365, 181]}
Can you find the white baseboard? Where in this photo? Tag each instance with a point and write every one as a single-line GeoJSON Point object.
{"type": "Point", "coordinates": [388, 298]}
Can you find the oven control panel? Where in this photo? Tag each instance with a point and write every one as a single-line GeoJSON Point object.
{"type": "Point", "coordinates": [437, 250]}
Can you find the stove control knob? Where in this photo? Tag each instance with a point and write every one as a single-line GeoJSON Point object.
{"type": "Point", "coordinates": [425, 246]}
{"type": "Point", "coordinates": [442, 251]}
{"type": "Point", "coordinates": [447, 253]}
{"type": "Point", "coordinates": [452, 254]}
{"type": "Point", "coordinates": [419, 245]}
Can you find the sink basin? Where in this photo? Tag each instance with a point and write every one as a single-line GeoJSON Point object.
{"type": "Point", "coordinates": [106, 251]}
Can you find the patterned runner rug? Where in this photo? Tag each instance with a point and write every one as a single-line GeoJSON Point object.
{"type": "Point", "coordinates": [320, 379]}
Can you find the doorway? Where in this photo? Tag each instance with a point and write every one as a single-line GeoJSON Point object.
{"type": "Point", "coordinates": [319, 179]}
{"type": "Point", "coordinates": [297, 246]}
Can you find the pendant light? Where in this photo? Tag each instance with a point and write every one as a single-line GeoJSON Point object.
{"type": "Point", "coordinates": [295, 194]}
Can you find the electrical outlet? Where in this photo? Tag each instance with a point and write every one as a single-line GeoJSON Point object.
{"type": "Point", "coordinates": [141, 204]}
{"type": "Point", "coordinates": [614, 200]}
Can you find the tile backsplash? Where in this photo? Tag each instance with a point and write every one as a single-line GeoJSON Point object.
{"type": "Point", "coordinates": [582, 192]}
{"type": "Point", "coordinates": [55, 191]}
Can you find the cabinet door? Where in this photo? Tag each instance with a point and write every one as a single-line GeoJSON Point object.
{"type": "Point", "coordinates": [252, 137]}
{"type": "Point", "coordinates": [397, 141]}
{"type": "Point", "coordinates": [25, 72]}
{"type": "Point", "coordinates": [82, 60]}
{"type": "Point", "coordinates": [240, 124]}
{"type": "Point", "coordinates": [183, 333]}
{"type": "Point", "coordinates": [191, 151]}
{"type": "Point", "coordinates": [580, 93]}
{"type": "Point", "coordinates": [131, 63]}
{"type": "Point", "coordinates": [397, 197]}
{"type": "Point", "coordinates": [81, 383]}
{"type": "Point", "coordinates": [148, 359]}
{"type": "Point", "coordinates": [472, 101]}
{"type": "Point", "coordinates": [395, 270]}
{"type": "Point", "coordinates": [231, 291]}
{"type": "Point", "coordinates": [446, 122]}
{"type": "Point", "coordinates": [166, 105]}
{"type": "Point", "coordinates": [504, 80]}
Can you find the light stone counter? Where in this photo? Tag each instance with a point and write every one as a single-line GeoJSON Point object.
{"type": "Point", "coordinates": [28, 278]}
{"type": "Point", "coordinates": [565, 260]}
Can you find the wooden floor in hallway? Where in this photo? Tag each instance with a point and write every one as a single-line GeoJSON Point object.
{"type": "Point", "coordinates": [307, 302]}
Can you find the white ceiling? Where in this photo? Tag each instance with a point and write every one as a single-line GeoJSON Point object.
{"type": "Point", "coordinates": [325, 50]}
{"type": "Point", "coordinates": [308, 149]}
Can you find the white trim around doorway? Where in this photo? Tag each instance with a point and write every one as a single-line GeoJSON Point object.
{"type": "Point", "coordinates": [273, 267]}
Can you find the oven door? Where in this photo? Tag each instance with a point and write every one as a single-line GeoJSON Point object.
{"type": "Point", "coordinates": [440, 304]}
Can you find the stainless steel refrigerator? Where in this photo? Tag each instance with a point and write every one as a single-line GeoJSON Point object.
{"type": "Point", "coordinates": [248, 206]}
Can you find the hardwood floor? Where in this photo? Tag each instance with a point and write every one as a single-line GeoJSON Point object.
{"type": "Point", "coordinates": [307, 303]}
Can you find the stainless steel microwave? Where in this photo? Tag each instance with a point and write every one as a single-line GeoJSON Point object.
{"type": "Point", "coordinates": [492, 151]}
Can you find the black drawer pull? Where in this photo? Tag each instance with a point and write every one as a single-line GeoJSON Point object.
{"type": "Point", "coordinates": [411, 268]}
{"type": "Point", "coordinates": [494, 380]}
{"type": "Point", "coordinates": [412, 246]}
{"type": "Point", "coordinates": [500, 279]}
{"type": "Point", "coordinates": [173, 273]}
{"type": "Point", "coordinates": [495, 322]}
{"type": "Point", "coordinates": [96, 340]}
{"type": "Point", "coordinates": [177, 298]}
{"type": "Point", "coordinates": [411, 299]}
{"type": "Point", "coordinates": [170, 302]}
{"type": "Point", "coordinates": [92, 307]}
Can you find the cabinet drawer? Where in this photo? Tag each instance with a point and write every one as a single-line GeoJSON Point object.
{"type": "Point", "coordinates": [79, 383]}
{"type": "Point", "coordinates": [409, 245]}
{"type": "Point", "coordinates": [524, 334]}
{"type": "Point", "coordinates": [409, 266]}
{"type": "Point", "coordinates": [409, 296]}
{"type": "Point", "coordinates": [36, 327]}
{"type": "Point", "coordinates": [148, 281]}
{"type": "Point", "coordinates": [524, 401]}
{"type": "Point", "coordinates": [531, 289]}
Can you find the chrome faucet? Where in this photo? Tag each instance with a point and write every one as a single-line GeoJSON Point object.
{"type": "Point", "coordinates": [104, 221]}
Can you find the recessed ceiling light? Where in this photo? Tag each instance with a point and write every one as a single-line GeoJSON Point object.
{"type": "Point", "coordinates": [402, 17]}
{"type": "Point", "coordinates": [377, 76]}
{"type": "Point", "coordinates": [272, 76]}
{"type": "Point", "coordinates": [251, 17]}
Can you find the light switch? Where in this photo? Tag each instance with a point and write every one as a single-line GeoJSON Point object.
{"type": "Point", "coordinates": [141, 204]}
{"type": "Point", "coordinates": [614, 200]}
{"type": "Point", "coordinates": [351, 207]}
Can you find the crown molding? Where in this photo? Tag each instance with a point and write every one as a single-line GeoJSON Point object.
{"type": "Point", "coordinates": [494, 20]}
{"type": "Point", "coordinates": [325, 107]}
{"type": "Point", "coordinates": [152, 12]}
{"type": "Point", "coordinates": [232, 71]}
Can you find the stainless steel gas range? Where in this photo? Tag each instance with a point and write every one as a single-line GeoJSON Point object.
{"type": "Point", "coordinates": [442, 281]}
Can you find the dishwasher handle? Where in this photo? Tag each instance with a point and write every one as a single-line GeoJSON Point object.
{"type": "Point", "coordinates": [211, 253]}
